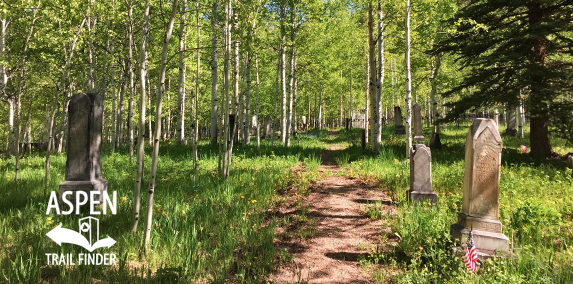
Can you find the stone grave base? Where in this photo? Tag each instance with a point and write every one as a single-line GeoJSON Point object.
{"type": "Point", "coordinates": [417, 196]}
{"type": "Point", "coordinates": [483, 254]}
{"type": "Point", "coordinates": [400, 129]}
{"type": "Point", "coordinates": [484, 240]}
{"type": "Point", "coordinates": [511, 132]}
{"type": "Point", "coordinates": [99, 184]}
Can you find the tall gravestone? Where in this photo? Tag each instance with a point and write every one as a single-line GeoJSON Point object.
{"type": "Point", "coordinates": [399, 127]}
{"type": "Point", "coordinates": [421, 175]}
{"type": "Point", "coordinates": [480, 202]}
{"type": "Point", "coordinates": [418, 131]}
{"type": "Point", "coordinates": [83, 163]}
{"type": "Point", "coordinates": [268, 127]}
{"type": "Point", "coordinates": [511, 124]}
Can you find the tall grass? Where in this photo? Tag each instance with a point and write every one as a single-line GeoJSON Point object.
{"type": "Point", "coordinates": [212, 231]}
{"type": "Point", "coordinates": [536, 209]}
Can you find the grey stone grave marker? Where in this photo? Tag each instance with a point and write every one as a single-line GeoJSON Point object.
{"type": "Point", "coordinates": [480, 202]}
{"type": "Point", "coordinates": [399, 127]}
{"type": "Point", "coordinates": [83, 163]}
{"type": "Point", "coordinates": [418, 133]}
{"type": "Point", "coordinates": [421, 175]}
{"type": "Point", "coordinates": [268, 127]}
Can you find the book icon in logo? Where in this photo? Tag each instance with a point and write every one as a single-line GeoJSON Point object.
{"type": "Point", "coordinates": [87, 237]}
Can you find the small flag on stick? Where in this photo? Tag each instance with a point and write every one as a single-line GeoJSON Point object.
{"type": "Point", "coordinates": [524, 149]}
{"type": "Point", "coordinates": [470, 257]}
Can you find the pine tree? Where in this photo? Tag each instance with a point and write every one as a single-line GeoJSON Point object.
{"type": "Point", "coordinates": [508, 45]}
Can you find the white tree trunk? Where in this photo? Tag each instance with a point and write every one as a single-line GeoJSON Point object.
{"type": "Point", "coordinates": [373, 79]}
{"type": "Point", "coordinates": [247, 129]}
{"type": "Point", "coordinates": [283, 79]}
{"type": "Point", "coordinates": [408, 84]}
{"type": "Point", "coordinates": [131, 85]}
{"type": "Point", "coordinates": [258, 106]}
{"type": "Point", "coordinates": [435, 109]}
{"type": "Point", "coordinates": [163, 66]}
{"type": "Point", "coordinates": [377, 135]}
{"type": "Point", "coordinates": [214, 78]}
{"type": "Point", "coordinates": [141, 124]}
{"type": "Point", "coordinates": [366, 106]}
{"type": "Point", "coordinates": [290, 85]}
{"type": "Point", "coordinates": [196, 124]}
{"type": "Point", "coordinates": [181, 82]}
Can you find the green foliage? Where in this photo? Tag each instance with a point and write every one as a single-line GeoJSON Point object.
{"type": "Point", "coordinates": [533, 219]}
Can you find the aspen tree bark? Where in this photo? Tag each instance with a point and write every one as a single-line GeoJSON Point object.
{"type": "Point", "coordinates": [274, 124]}
{"type": "Point", "coordinates": [119, 122]}
{"type": "Point", "coordinates": [290, 80]}
{"type": "Point", "coordinates": [214, 78]}
{"type": "Point", "coordinates": [295, 94]}
{"type": "Point", "coordinates": [247, 129]}
{"type": "Point", "coordinates": [408, 84]}
{"type": "Point", "coordinates": [372, 73]}
{"type": "Point", "coordinates": [196, 124]}
{"type": "Point", "coordinates": [4, 80]}
{"type": "Point", "coordinates": [258, 105]}
{"type": "Point", "coordinates": [377, 131]}
{"type": "Point", "coordinates": [366, 105]}
{"type": "Point", "coordinates": [113, 108]}
{"type": "Point", "coordinates": [320, 110]}
{"type": "Point", "coordinates": [283, 77]}
{"type": "Point", "coordinates": [234, 131]}
{"type": "Point", "coordinates": [17, 146]}
{"type": "Point", "coordinates": [225, 117]}
{"type": "Point", "coordinates": [90, 81]}
{"type": "Point", "coordinates": [131, 84]}
{"type": "Point", "coordinates": [341, 106]}
{"type": "Point", "coordinates": [152, 174]}
{"type": "Point", "coordinates": [181, 80]}
{"type": "Point", "coordinates": [351, 98]}
{"type": "Point", "coordinates": [141, 124]}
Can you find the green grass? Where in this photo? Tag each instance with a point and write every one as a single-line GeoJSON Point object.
{"type": "Point", "coordinates": [216, 231]}
{"type": "Point", "coordinates": [536, 209]}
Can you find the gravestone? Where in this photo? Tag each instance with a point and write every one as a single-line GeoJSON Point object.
{"type": "Point", "coordinates": [570, 164]}
{"type": "Point", "coordinates": [511, 124]}
{"type": "Point", "coordinates": [418, 135]}
{"type": "Point", "coordinates": [83, 163]}
{"type": "Point", "coordinates": [480, 202]}
{"type": "Point", "coordinates": [421, 175]}
{"type": "Point", "coordinates": [399, 127]}
{"type": "Point", "coordinates": [268, 127]}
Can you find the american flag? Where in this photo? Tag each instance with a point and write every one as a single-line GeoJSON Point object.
{"type": "Point", "coordinates": [524, 149]}
{"type": "Point", "coordinates": [470, 257]}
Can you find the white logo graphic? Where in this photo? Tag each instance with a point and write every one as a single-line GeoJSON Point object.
{"type": "Point", "coordinates": [89, 226]}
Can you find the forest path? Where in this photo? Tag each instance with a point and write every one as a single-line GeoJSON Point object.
{"type": "Point", "coordinates": [341, 235]}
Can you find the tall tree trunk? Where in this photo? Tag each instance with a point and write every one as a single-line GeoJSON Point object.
{"type": "Point", "coordinates": [119, 123]}
{"type": "Point", "coordinates": [141, 124]}
{"type": "Point", "coordinates": [247, 129]}
{"type": "Point", "coordinates": [283, 78]}
{"type": "Point", "coordinates": [131, 85]}
{"type": "Point", "coordinates": [435, 109]}
{"type": "Point", "coordinates": [258, 106]}
{"type": "Point", "coordinates": [290, 80]}
{"type": "Point", "coordinates": [340, 121]}
{"type": "Point", "coordinates": [408, 84]}
{"type": "Point", "coordinates": [196, 130]}
{"type": "Point", "coordinates": [214, 78]}
{"type": "Point", "coordinates": [377, 131]}
{"type": "Point", "coordinates": [274, 124]}
{"type": "Point", "coordinates": [295, 94]}
{"type": "Point", "coordinates": [227, 82]}
{"type": "Point", "coordinates": [17, 148]}
{"type": "Point", "coordinates": [181, 82]}
{"type": "Point", "coordinates": [320, 110]}
{"type": "Point", "coordinates": [152, 174]}
{"type": "Point", "coordinates": [351, 98]}
{"type": "Point", "coordinates": [373, 79]}
{"type": "Point", "coordinates": [113, 98]}
{"type": "Point", "coordinates": [366, 106]}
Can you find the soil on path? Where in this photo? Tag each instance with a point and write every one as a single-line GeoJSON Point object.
{"type": "Point", "coordinates": [343, 233]}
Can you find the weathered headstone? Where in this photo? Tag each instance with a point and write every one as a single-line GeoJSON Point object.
{"type": "Point", "coordinates": [511, 124]}
{"type": "Point", "coordinates": [83, 163]}
{"type": "Point", "coordinates": [418, 134]}
{"type": "Point", "coordinates": [480, 202]}
{"type": "Point", "coordinates": [421, 175]}
{"type": "Point", "coordinates": [268, 127]}
{"type": "Point", "coordinates": [399, 127]}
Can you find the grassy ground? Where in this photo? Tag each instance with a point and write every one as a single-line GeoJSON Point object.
{"type": "Point", "coordinates": [536, 210]}
{"type": "Point", "coordinates": [214, 231]}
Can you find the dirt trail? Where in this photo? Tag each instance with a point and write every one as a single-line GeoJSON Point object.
{"type": "Point", "coordinates": [343, 232]}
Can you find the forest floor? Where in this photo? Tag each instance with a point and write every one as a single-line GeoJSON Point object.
{"type": "Point", "coordinates": [330, 231]}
